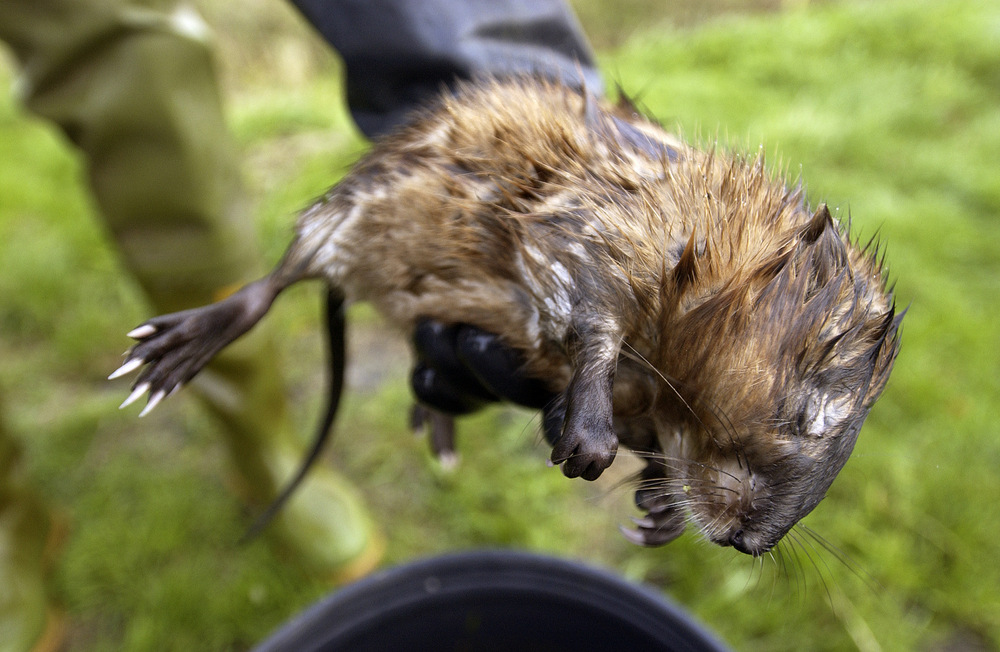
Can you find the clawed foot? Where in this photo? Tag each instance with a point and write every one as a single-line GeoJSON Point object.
{"type": "Point", "coordinates": [134, 359]}
{"type": "Point", "coordinates": [664, 520]}
{"type": "Point", "coordinates": [172, 349]}
{"type": "Point", "coordinates": [656, 528]}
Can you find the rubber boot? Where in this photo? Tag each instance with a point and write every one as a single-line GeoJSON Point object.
{"type": "Point", "coordinates": [134, 87]}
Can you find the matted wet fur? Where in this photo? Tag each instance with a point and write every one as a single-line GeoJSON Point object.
{"type": "Point", "coordinates": [683, 303]}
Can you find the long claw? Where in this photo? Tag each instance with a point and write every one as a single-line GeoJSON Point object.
{"type": "Point", "coordinates": [633, 536]}
{"type": "Point", "coordinates": [655, 529]}
{"type": "Point", "coordinates": [645, 522]}
{"type": "Point", "coordinates": [127, 368]}
{"type": "Point", "coordinates": [154, 400]}
{"type": "Point", "coordinates": [135, 395]}
{"type": "Point", "coordinates": [141, 332]}
{"type": "Point", "coordinates": [448, 460]}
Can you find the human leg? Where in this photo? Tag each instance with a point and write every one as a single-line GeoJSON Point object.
{"type": "Point", "coordinates": [133, 86]}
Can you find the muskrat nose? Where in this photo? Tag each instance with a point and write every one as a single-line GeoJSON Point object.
{"type": "Point", "coordinates": [738, 540]}
{"type": "Point", "coordinates": [751, 545]}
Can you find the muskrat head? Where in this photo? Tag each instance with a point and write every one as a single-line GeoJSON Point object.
{"type": "Point", "coordinates": [766, 381]}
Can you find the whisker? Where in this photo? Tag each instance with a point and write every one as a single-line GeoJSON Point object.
{"type": "Point", "coordinates": [728, 427]}
{"type": "Point", "coordinates": [796, 572]}
{"type": "Point", "coordinates": [664, 378]}
{"type": "Point", "coordinates": [805, 547]}
{"type": "Point", "coordinates": [840, 555]}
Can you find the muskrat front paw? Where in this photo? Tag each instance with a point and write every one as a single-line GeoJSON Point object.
{"type": "Point", "coordinates": [585, 453]}
{"type": "Point", "coordinates": [588, 442]}
{"type": "Point", "coordinates": [657, 528]}
{"type": "Point", "coordinates": [665, 518]}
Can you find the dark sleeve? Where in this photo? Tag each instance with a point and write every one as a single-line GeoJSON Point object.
{"type": "Point", "coordinates": [399, 52]}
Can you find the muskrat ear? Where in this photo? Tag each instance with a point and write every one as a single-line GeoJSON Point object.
{"type": "Point", "coordinates": [820, 221]}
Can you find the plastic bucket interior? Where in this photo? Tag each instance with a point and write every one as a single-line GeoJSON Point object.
{"type": "Point", "coordinates": [493, 600]}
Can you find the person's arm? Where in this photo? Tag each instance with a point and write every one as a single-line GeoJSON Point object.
{"type": "Point", "coordinates": [397, 53]}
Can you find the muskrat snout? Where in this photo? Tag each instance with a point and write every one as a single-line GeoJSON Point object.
{"type": "Point", "coordinates": [749, 543]}
{"type": "Point", "coordinates": [734, 508]}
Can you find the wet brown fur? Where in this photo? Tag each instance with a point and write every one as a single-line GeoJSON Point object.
{"type": "Point", "coordinates": [744, 337]}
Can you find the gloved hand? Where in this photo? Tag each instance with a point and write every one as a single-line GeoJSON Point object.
{"type": "Point", "coordinates": [460, 369]}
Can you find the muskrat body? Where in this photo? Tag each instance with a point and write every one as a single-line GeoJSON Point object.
{"type": "Point", "coordinates": [681, 302]}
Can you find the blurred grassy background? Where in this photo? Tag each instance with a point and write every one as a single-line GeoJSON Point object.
{"type": "Point", "coordinates": [889, 110]}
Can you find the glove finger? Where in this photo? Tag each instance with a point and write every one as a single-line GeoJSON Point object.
{"type": "Point", "coordinates": [434, 389]}
{"type": "Point", "coordinates": [435, 345]}
{"type": "Point", "coordinates": [499, 368]}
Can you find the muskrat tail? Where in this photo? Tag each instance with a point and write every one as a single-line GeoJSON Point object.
{"type": "Point", "coordinates": [336, 325]}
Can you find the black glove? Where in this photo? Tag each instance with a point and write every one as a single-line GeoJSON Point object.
{"type": "Point", "coordinates": [461, 368]}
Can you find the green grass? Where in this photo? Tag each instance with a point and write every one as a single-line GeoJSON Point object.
{"type": "Point", "coordinates": [889, 110]}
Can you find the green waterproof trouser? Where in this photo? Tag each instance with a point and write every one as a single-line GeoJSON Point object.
{"type": "Point", "coordinates": [24, 530]}
{"type": "Point", "coordinates": [133, 86]}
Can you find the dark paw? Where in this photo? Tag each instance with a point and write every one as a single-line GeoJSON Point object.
{"type": "Point", "coordinates": [170, 350]}
{"type": "Point", "coordinates": [664, 520]}
{"type": "Point", "coordinates": [588, 443]}
{"type": "Point", "coordinates": [585, 453]}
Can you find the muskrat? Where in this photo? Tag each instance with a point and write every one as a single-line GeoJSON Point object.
{"type": "Point", "coordinates": [681, 302]}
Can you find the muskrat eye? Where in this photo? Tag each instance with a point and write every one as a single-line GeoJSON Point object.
{"type": "Point", "coordinates": [801, 423]}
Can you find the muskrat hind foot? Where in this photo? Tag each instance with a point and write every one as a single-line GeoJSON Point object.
{"type": "Point", "coordinates": [175, 347]}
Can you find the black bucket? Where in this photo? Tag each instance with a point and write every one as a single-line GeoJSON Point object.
{"type": "Point", "coordinates": [492, 600]}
